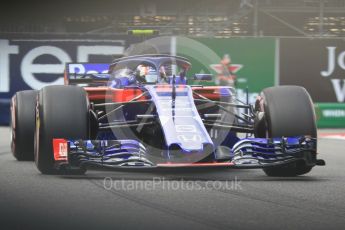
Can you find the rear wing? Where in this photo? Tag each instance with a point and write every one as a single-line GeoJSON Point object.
{"type": "Point", "coordinates": [86, 73]}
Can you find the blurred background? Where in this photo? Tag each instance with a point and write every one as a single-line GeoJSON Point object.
{"type": "Point", "coordinates": [265, 42]}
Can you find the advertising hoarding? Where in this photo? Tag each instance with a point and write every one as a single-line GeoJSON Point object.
{"type": "Point", "coordinates": [252, 61]}
{"type": "Point", "coordinates": [319, 66]}
{"type": "Point", "coordinates": [32, 63]}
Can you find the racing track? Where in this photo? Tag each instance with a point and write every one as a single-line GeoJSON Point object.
{"type": "Point", "coordinates": [29, 200]}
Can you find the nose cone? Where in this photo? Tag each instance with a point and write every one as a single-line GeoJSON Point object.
{"type": "Point", "coordinates": [178, 154]}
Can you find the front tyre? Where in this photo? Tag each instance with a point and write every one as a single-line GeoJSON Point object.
{"type": "Point", "coordinates": [286, 111]}
{"type": "Point", "coordinates": [61, 112]}
{"type": "Point", "coordinates": [23, 124]}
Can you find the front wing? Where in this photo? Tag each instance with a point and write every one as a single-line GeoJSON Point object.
{"type": "Point", "coordinates": [246, 153]}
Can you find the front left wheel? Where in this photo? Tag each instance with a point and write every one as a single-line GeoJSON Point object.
{"type": "Point", "coordinates": [286, 111]}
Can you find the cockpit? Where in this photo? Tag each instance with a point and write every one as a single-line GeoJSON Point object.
{"type": "Point", "coordinates": [152, 69]}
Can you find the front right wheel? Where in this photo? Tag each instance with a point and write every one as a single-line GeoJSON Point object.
{"type": "Point", "coordinates": [61, 112]}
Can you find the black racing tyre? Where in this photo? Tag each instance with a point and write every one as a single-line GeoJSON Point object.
{"type": "Point", "coordinates": [23, 124]}
{"type": "Point", "coordinates": [61, 112]}
{"type": "Point", "coordinates": [288, 111]}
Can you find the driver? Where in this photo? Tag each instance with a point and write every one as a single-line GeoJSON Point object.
{"type": "Point", "coordinates": [164, 73]}
{"type": "Point", "coordinates": [146, 74]}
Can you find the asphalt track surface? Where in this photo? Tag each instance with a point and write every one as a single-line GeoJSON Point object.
{"type": "Point", "coordinates": [173, 199]}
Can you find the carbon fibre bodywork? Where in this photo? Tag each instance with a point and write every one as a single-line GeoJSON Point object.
{"type": "Point", "coordinates": [247, 153]}
{"type": "Point", "coordinates": [170, 124]}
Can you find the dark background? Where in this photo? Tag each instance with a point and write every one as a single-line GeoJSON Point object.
{"type": "Point", "coordinates": [303, 27]}
{"type": "Point", "coordinates": [302, 60]}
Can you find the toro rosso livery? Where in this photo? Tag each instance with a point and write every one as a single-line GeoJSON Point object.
{"type": "Point", "coordinates": [140, 112]}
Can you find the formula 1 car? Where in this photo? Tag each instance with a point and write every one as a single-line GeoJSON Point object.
{"type": "Point", "coordinates": [139, 112]}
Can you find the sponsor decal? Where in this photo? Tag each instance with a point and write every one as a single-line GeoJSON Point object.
{"type": "Point", "coordinates": [330, 115]}
{"type": "Point", "coordinates": [60, 148]}
{"type": "Point", "coordinates": [333, 113]}
{"type": "Point", "coordinates": [27, 64]}
{"type": "Point", "coordinates": [233, 68]}
{"type": "Point", "coordinates": [226, 70]}
{"type": "Point", "coordinates": [319, 67]}
{"type": "Point", "coordinates": [251, 61]}
{"type": "Point", "coordinates": [35, 62]}
{"type": "Point", "coordinates": [335, 60]}
{"type": "Point", "coordinates": [88, 68]}
{"type": "Point", "coordinates": [5, 51]}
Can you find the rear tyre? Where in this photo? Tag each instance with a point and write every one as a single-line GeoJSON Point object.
{"type": "Point", "coordinates": [288, 111]}
{"type": "Point", "coordinates": [61, 112]}
{"type": "Point", "coordinates": [23, 124]}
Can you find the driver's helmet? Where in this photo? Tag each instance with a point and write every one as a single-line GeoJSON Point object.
{"type": "Point", "coordinates": [122, 77]}
{"type": "Point", "coordinates": [122, 72]}
{"type": "Point", "coordinates": [147, 74]}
